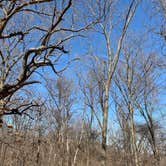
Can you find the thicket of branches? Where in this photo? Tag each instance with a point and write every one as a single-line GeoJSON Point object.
{"type": "Point", "coordinates": [105, 106]}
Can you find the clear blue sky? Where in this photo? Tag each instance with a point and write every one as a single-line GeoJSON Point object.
{"type": "Point", "coordinates": [144, 19]}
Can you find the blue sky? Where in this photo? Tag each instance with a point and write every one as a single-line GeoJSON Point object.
{"type": "Point", "coordinates": [94, 42]}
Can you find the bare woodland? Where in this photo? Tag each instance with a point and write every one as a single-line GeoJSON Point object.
{"type": "Point", "coordinates": [82, 82]}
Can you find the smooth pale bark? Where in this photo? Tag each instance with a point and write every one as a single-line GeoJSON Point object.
{"type": "Point", "coordinates": [112, 63]}
{"type": "Point", "coordinates": [105, 125]}
{"type": "Point", "coordinates": [133, 139]}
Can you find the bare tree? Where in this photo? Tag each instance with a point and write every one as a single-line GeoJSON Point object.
{"type": "Point", "coordinates": [112, 58]}
{"type": "Point", "coordinates": [151, 87]}
{"type": "Point", "coordinates": [128, 86]}
{"type": "Point", "coordinates": [137, 85]}
{"type": "Point", "coordinates": [32, 35]}
{"type": "Point", "coordinates": [163, 6]}
{"type": "Point", "coordinates": [61, 102]}
{"type": "Point", "coordinates": [64, 121]}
